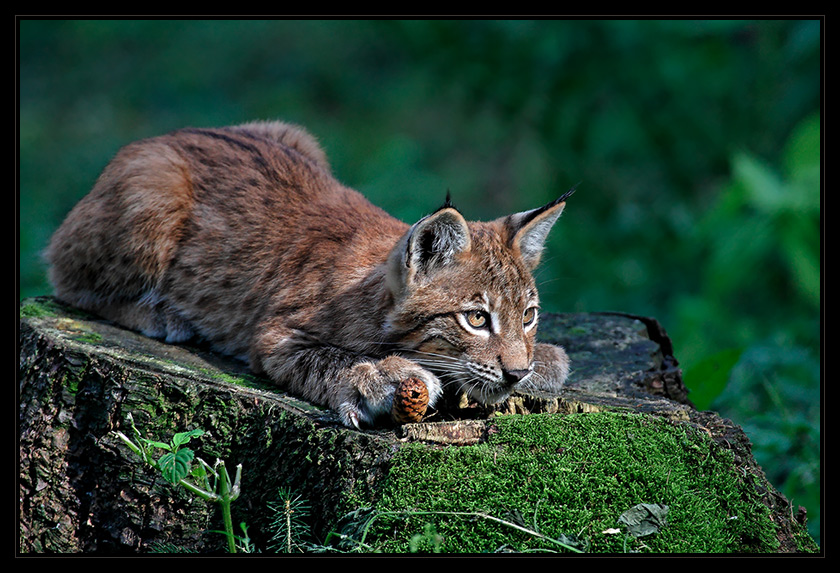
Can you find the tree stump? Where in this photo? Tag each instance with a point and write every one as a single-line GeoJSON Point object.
{"type": "Point", "coordinates": [82, 490]}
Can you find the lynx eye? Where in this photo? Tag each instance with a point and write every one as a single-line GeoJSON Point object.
{"type": "Point", "coordinates": [476, 318]}
{"type": "Point", "coordinates": [529, 316]}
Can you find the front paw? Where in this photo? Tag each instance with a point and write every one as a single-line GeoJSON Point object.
{"type": "Point", "coordinates": [368, 391]}
{"type": "Point", "coordinates": [551, 369]}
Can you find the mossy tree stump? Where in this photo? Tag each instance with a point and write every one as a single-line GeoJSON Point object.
{"type": "Point", "coordinates": [520, 476]}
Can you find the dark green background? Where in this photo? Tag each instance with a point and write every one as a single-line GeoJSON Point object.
{"type": "Point", "coordinates": [696, 145]}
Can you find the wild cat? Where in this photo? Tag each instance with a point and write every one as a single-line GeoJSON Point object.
{"type": "Point", "coordinates": [242, 236]}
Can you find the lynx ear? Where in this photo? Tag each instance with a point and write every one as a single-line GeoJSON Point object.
{"type": "Point", "coordinates": [528, 230]}
{"type": "Point", "coordinates": [431, 243]}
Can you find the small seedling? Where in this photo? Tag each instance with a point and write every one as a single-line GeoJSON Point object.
{"type": "Point", "coordinates": [211, 483]}
{"type": "Point", "coordinates": [289, 515]}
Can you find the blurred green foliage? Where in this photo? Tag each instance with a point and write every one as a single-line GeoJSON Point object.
{"type": "Point", "coordinates": [697, 145]}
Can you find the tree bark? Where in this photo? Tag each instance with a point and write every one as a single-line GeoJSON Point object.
{"type": "Point", "coordinates": [82, 490]}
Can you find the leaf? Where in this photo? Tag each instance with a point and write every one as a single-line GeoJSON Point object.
{"type": "Point", "coordinates": [175, 466]}
{"type": "Point", "coordinates": [802, 255]}
{"type": "Point", "coordinates": [644, 519]}
{"type": "Point", "coordinates": [572, 541]}
{"type": "Point", "coordinates": [708, 377]}
{"type": "Point", "coordinates": [764, 189]}
{"type": "Point", "coordinates": [802, 155]}
{"type": "Point", "coordinates": [182, 438]}
{"type": "Point", "coordinates": [155, 444]}
{"type": "Point", "coordinates": [198, 472]}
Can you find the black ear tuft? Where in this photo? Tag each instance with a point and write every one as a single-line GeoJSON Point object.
{"type": "Point", "coordinates": [564, 196]}
{"type": "Point", "coordinates": [529, 229]}
{"type": "Point", "coordinates": [569, 193]}
{"type": "Point", "coordinates": [448, 203]}
{"type": "Point", "coordinates": [537, 212]}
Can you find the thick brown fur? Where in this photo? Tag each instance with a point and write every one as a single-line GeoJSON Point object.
{"type": "Point", "coordinates": [241, 236]}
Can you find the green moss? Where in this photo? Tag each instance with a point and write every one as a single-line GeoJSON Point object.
{"type": "Point", "coordinates": [45, 306]}
{"type": "Point", "coordinates": [243, 380]}
{"type": "Point", "coordinates": [37, 308]}
{"type": "Point", "coordinates": [71, 383]}
{"type": "Point", "coordinates": [228, 378]}
{"type": "Point", "coordinates": [571, 477]}
{"type": "Point", "coordinates": [89, 337]}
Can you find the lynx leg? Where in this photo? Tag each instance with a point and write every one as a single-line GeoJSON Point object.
{"type": "Point", "coordinates": [359, 388]}
{"type": "Point", "coordinates": [150, 317]}
{"type": "Point", "coordinates": [551, 368]}
{"type": "Point", "coordinates": [370, 392]}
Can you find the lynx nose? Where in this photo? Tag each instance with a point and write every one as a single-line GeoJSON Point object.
{"type": "Point", "coordinates": [513, 377]}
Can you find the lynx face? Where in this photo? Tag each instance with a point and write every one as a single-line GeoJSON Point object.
{"type": "Point", "coordinates": [467, 306]}
{"type": "Point", "coordinates": [484, 348]}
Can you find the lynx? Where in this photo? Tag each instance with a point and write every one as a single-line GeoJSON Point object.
{"type": "Point", "coordinates": [242, 237]}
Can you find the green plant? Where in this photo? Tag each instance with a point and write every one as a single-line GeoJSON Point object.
{"type": "Point", "coordinates": [288, 522]}
{"type": "Point", "coordinates": [211, 483]}
{"type": "Point", "coordinates": [429, 537]}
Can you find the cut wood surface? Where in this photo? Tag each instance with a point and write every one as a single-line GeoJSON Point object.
{"type": "Point", "coordinates": [80, 377]}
